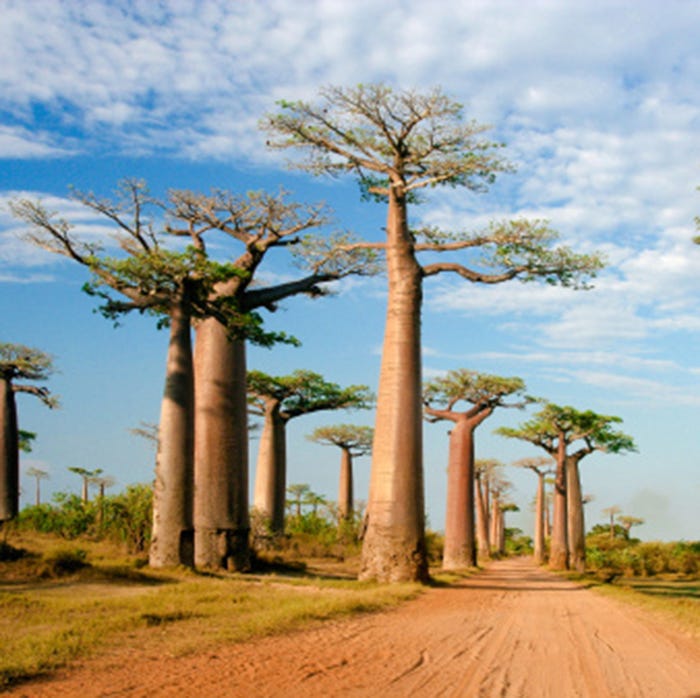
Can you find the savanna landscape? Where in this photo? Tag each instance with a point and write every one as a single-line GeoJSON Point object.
{"type": "Point", "coordinates": [503, 539]}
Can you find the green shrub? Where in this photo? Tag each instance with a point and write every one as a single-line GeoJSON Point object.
{"type": "Point", "coordinates": [633, 558]}
{"type": "Point", "coordinates": [128, 517]}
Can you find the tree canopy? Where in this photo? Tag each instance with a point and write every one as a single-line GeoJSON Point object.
{"type": "Point", "coordinates": [303, 392]}
{"type": "Point", "coordinates": [357, 439]}
{"type": "Point", "coordinates": [552, 422]}
{"type": "Point", "coordinates": [481, 391]}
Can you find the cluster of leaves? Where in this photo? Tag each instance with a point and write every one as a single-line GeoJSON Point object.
{"type": "Point", "coordinates": [124, 517]}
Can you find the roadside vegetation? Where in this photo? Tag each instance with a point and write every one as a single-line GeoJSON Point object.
{"type": "Point", "coordinates": [74, 580]}
{"type": "Point", "coordinates": [662, 577]}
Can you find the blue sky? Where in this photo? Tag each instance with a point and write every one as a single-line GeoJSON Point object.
{"type": "Point", "coordinates": [599, 104]}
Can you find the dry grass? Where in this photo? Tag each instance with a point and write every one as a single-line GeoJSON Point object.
{"type": "Point", "coordinates": [672, 597]}
{"type": "Point", "coordinates": [54, 607]}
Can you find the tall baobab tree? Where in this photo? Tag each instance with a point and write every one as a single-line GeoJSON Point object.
{"type": "Point", "coordinates": [555, 429]}
{"type": "Point", "coordinates": [353, 441]}
{"type": "Point", "coordinates": [485, 472]}
{"type": "Point", "coordinates": [279, 399]}
{"type": "Point", "coordinates": [482, 393]}
{"type": "Point", "coordinates": [186, 287]}
{"type": "Point", "coordinates": [398, 144]}
{"type": "Point", "coordinates": [628, 521]}
{"type": "Point", "coordinates": [255, 224]}
{"type": "Point", "coordinates": [499, 487]}
{"type": "Point", "coordinates": [87, 477]}
{"type": "Point", "coordinates": [542, 468]}
{"type": "Point", "coordinates": [17, 363]}
{"type": "Point", "coordinates": [38, 474]}
{"type": "Point", "coordinates": [177, 286]}
{"type": "Point", "coordinates": [612, 512]}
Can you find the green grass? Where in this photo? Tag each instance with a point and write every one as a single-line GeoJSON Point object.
{"type": "Point", "coordinates": [672, 597]}
{"type": "Point", "coordinates": [70, 611]}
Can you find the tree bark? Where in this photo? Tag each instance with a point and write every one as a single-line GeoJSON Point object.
{"type": "Point", "coordinates": [539, 552]}
{"type": "Point", "coordinates": [559, 547]}
{"type": "Point", "coordinates": [346, 502]}
{"type": "Point", "coordinates": [482, 522]}
{"type": "Point", "coordinates": [221, 516]}
{"type": "Point", "coordinates": [393, 547]}
{"type": "Point", "coordinates": [271, 469]}
{"type": "Point", "coordinates": [501, 532]}
{"type": "Point", "coordinates": [575, 516]}
{"type": "Point", "coordinates": [173, 534]}
{"type": "Point", "coordinates": [493, 522]}
{"type": "Point", "coordinates": [460, 546]}
{"type": "Point", "coordinates": [9, 452]}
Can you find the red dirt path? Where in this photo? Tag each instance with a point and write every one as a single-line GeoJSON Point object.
{"type": "Point", "coordinates": [514, 630]}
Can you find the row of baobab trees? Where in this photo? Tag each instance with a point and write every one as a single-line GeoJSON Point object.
{"type": "Point", "coordinates": [398, 145]}
{"type": "Point", "coordinates": [475, 509]}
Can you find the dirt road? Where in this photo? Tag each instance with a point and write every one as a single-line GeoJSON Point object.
{"type": "Point", "coordinates": [512, 631]}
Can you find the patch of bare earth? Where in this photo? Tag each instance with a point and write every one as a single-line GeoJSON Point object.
{"type": "Point", "coordinates": [514, 630]}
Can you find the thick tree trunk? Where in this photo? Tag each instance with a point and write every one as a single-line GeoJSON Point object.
{"type": "Point", "coordinates": [460, 546]}
{"type": "Point", "coordinates": [575, 517]}
{"type": "Point", "coordinates": [501, 532]}
{"type": "Point", "coordinates": [393, 547]}
{"type": "Point", "coordinates": [221, 517]}
{"type": "Point", "coordinates": [539, 552]}
{"type": "Point", "coordinates": [482, 522]}
{"type": "Point", "coordinates": [9, 452]}
{"type": "Point", "coordinates": [271, 469]}
{"type": "Point", "coordinates": [173, 534]}
{"type": "Point", "coordinates": [559, 547]}
{"type": "Point", "coordinates": [346, 502]}
{"type": "Point", "coordinates": [493, 522]}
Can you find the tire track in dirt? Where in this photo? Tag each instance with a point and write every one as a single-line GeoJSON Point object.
{"type": "Point", "coordinates": [513, 630]}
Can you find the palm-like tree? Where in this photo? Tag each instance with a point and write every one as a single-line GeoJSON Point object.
{"type": "Point", "coordinates": [482, 394]}
{"type": "Point", "coordinates": [17, 363]}
{"type": "Point", "coordinates": [353, 441]}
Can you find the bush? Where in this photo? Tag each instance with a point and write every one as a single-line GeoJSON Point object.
{"type": "Point", "coordinates": [128, 517]}
{"type": "Point", "coordinates": [70, 517]}
{"type": "Point", "coordinates": [125, 517]}
{"type": "Point", "coordinates": [633, 558]}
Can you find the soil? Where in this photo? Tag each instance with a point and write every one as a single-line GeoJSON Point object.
{"type": "Point", "coordinates": [514, 630]}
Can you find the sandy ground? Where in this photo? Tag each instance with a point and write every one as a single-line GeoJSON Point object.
{"type": "Point", "coordinates": [512, 631]}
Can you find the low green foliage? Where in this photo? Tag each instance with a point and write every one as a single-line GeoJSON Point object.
{"type": "Point", "coordinates": [632, 558]}
{"type": "Point", "coordinates": [124, 517]}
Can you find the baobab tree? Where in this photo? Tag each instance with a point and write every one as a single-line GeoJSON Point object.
{"type": "Point", "coordinates": [627, 522]}
{"type": "Point", "coordinates": [499, 487]}
{"type": "Point", "coordinates": [17, 363]}
{"type": "Point", "coordinates": [485, 471]}
{"type": "Point", "coordinates": [482, 393]}
{"type": "Point", "coordinates": [279, 399]}
{"type": "Point", "coordinates": [254, 224]}
{"type": "Point", "coordinates": [397, 144]}
{"type": "Point", "coordinates": [185, 287]}
{"type": "Point", "coordinates": [174, 285]}
{"type": "Point", "coordinates": [612, 512]}
{"type": "Point", "coordinates": [87, 476]}
{"type": "Point", "coordinates": [297, 492]}
{"type": "Point", "coordinates": [555, 429]}
{"type": "Point", "coordinates": [542, 468]}
{"type": "Point", "coordinates": [38, 474]}
{"type": "Point", "coordinates": [353, 441]}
